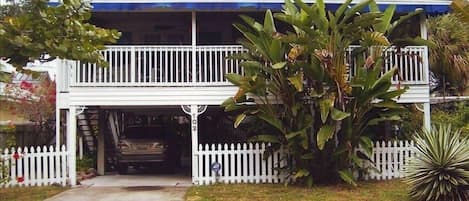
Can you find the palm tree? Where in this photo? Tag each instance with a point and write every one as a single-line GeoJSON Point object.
{"type": "Point", "coordinates": [449, 57]}
{"type": "Point", "coordinates": [461, 8]}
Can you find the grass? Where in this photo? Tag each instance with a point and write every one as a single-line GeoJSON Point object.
{"type": "Point", "coordinates": [29, 193]}
{"type": "Point", "coordinates": [394, 190]}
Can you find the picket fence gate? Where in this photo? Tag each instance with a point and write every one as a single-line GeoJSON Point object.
{"type": "Point", "coordinates": [34, 166]}
{"type": "Point", "coordinates": [240, 163]}
{"type": "Point", "coordinates": [244, 163]}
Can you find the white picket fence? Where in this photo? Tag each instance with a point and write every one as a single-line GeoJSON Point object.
{"type": "Point", "coordinates": [390, 158]}
{"type": "Point", "coordinates": [240, 163]}
{"type": "Point", "coordinates": [35, 166]}
{"type": "Point", "coordinates": [244, 163]}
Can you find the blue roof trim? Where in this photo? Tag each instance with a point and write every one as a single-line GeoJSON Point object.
{"type": "Point", "coordinates": [99, 7]}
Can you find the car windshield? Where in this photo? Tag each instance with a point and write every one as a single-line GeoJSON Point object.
{"type": "Point", "coordinates": [144, 133]}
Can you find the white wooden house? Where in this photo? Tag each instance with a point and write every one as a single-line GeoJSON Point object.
{"type": "Point", "coordinates": [172, 56]}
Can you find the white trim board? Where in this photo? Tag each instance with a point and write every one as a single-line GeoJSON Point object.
{"type": "Point", "coordinates": [154, 96]}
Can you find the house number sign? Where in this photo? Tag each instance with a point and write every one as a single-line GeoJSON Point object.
{"type": "Point", "coordinates": [216, 167]}
{"type": "Point", "coordinates": [194, 122]}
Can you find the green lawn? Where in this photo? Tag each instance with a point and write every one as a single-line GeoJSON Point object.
{"type": "Point", "coordinates": [393, 190]}
{"type": "Point", "coordinates": [29, 193]}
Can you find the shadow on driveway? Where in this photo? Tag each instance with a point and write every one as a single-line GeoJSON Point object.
{"type": "Point", "coordinates": [128, 187]}
{"type": "Point", "coordinates": [141, 193]}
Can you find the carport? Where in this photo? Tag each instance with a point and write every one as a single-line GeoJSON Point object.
{"type": "Point", "coordinates": [115, 123]}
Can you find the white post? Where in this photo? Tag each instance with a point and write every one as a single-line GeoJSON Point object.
{"type": "Point", "coordinates": [427, 116]}
{"type": "Point", "coordinates": [423, 26]}
{"type": "Point", "coordinates": [58, 87]}
{"type": "Point", "coordinates": [132, 64]}
{"type": "Point", "coordinates": [194, 111]}
{"type": "Point", "coordinates": [71, 144]}
{"type": "Point", "coordinates": [57, 122]}
{"type": "Point", "coordinates": [100, 155]}
{"type": "Point", "coordinates": [426, 105]}
{"type": "Point", "coordinates": [80, 147]}
{"type": "Point", "coordinates": [195, 141]}
{"type": "Point", "coordinates": [194, 43]}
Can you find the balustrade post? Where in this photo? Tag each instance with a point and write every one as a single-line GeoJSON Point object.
{"type": "Point", "coordinates": [194, 49]}
{"type": "Point", "coordinates": [132, 64]}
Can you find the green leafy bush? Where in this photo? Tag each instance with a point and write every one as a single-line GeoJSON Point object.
{"type": "Point", "coordinates": [86, 163]}
{"type": "Point", "coordinates": [456, 114]}
{"type": "Point", "coordinates": [440, 169]}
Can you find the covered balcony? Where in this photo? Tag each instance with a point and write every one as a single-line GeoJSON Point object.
{"type": "Point", "coordinates": [180, 58]}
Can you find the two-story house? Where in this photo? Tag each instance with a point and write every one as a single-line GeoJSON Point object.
{"type": "Point", "coordinates": [171, 60]}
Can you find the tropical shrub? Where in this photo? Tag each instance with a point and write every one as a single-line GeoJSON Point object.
{"type": "Point", "coordinates": [461, 8]}
{"type": "Point", "coordinates": [440, 169]}
{"type": "Point", "coordinates": [456, 114]}
{"type": "Point", "coordinates": [324, 114]}
{"type": "Point", "coordinates": [449, 54]}
{"type": "Point", "coordinates": [412, 122]}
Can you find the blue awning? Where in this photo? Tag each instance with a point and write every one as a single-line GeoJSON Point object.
{"type": "Point", "coordinates": [101, 7]}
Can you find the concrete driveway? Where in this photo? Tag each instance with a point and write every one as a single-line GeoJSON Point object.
{"type": "Point", "coordinates": [128, 187]}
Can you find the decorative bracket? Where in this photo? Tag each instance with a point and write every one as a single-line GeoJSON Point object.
{"type": "Point", "coordinates": [80, 109]}
{"type": "Point", "coordinates": [199, 109]}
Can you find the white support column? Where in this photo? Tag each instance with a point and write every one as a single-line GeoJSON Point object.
{"type": "Point", "coordinates": [426, 105]}
{"type": "Point", "coordinates": [194, 44]}
{"type": "Point", "coordinates": [80, 147]}
{"type": "Point", "coordinates": [71, 144]}
{"type": "Point", "coordinates": [58, 87]}
{"type": "Point", "coordinates": [194, 111]}
{"type": "Point", "coordinates": [57, 122]}
{"type": "Point", "coordinates": [100, 154]}
{"type": "Point", "coordinates": [423, 26]}
{"type": "Point", "coordinates": [426, 116]}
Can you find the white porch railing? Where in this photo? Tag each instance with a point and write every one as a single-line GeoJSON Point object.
{"type": "Point", "coordinates": [244, 163]}
{"type": "Point", "coordinates": [207, 65]}
{"type": "Point", "coordinates": [159, 66]}
{"type": "Point", "coordinates": [34, 166]}
{"type": "Point", "coordinates": [411, 61]}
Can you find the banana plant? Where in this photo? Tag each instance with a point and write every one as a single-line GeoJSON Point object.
{"type": "Point", "coordinates": [298, 83]}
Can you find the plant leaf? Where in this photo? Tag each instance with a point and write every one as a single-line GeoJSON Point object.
{"type": "Point", "coordinates": [325, 104]}
{"type": "Point", "coordinates": [338, 115]}
{"type": "Point", "coordinates": [325, 133]}
{"type": "Point", "coordinates": [293, 134]}
{"type": "Point", "coordinates": [239, 119]}
{"type": "Point", "coordinates": [272, 120]}
{"type": "Point", "coordinates": [347, 176]}
{"type": "Point", "coordinates": [297, 81]}
{"type": "Point", "coordinates": [301, 173]}
{"type": "Point", "coordinates": [279, 65]}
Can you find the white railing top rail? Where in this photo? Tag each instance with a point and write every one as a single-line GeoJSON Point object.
{"type": "Point", "coordinates": [147, 46]}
